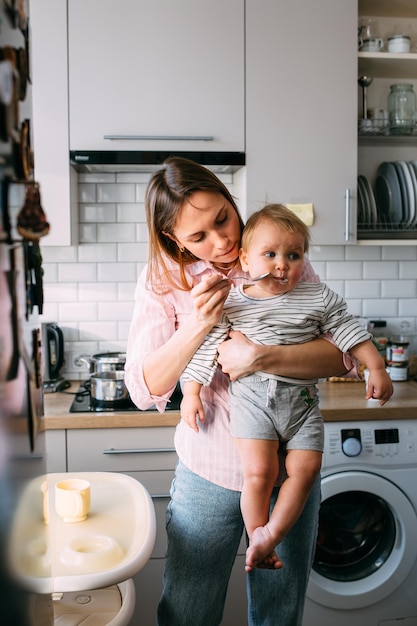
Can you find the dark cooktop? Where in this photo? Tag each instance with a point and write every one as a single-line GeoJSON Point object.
{"type": "Point", "coordinates": [84, 403]}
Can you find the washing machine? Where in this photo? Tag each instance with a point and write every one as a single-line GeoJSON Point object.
{"type": "Point", "coordinates": [365, 566]}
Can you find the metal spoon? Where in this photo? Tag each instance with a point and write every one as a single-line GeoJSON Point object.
{"type": "Point", "coordinates": [260, 277]}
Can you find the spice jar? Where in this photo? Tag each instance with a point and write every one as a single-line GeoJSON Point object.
{"type": "Point", "coordinates": [402, 108]}
{"type": "Point", "coordinates": [398, 357]}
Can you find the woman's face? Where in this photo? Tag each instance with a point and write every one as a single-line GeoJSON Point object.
{"type": "Point", "coordinates": [208, 226]}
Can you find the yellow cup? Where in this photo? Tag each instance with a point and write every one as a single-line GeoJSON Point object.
{"type": "Point", "coordinates": [72, 499]}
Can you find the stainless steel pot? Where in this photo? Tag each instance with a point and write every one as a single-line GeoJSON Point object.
{"type": "Point", "coordinates": [103, 362]}
{"type": "Point", "coordinates": [108, 388]}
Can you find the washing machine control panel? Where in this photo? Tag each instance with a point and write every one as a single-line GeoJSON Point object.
{"type": "Point", "coordinates": [351, 441]}
{"type": "Point", "coordinates": [391, 443]}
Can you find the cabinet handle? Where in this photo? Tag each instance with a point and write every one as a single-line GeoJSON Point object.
{"type": "Point", "coordinates": [136, 450]}
{"type": "Point", "coordinates": [347, 214]}
{"type": "Point", "coordinates": [160, 496]}
{"type": "Point", "coordinates": [160, 137]}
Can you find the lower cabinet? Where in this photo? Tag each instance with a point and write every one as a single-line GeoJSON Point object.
{"type": "Point", "coordinates": [148, 455]}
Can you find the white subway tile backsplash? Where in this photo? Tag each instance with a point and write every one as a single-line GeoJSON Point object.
{"type": "Point", "coordinates": [407, 307]}
{"type": "Point", "coordinates": [399, 289]}
{"type": "Point", "coordinates": [89, 288]}
{"type": "Point", "coordinates": [78, 311]}
{"type": "Point", "coordinates": [97, 292]}
{"type": "Point", "coordinates": [78, 272]}
{"type": "Point", "coordinates": [133, 177]}
{"type": "Point", "coordinates": [98, 330]}
{"type": "Point", "coordinates": [408, 269]}
{"type": "Point", "coordinates": [115, 232]}
{"type": "Point", "coordinates": [87, 233]}
{"type": "Point", "coordinates": [347, 270]}
{"type": "Point", "coordinates": [97, 213]}
{"type": "Point", "coordinates": [380, 269]}
{"type": "Point", "coordinates": [131, 252]}
{"type": "Point", "coordinates": [380, 308]}
{"type": "Point", "coordinates": [126, 291]}
{"type": "Point", "coordinates": [97, 177]}
{"type": "Point", "coordinates": [116, 272]}
{"type": "Point", "coordinates": [363, 253]}
{"type": "Point", "coordinates": [141, 233]}
{"type": "Point", "coordinates": [363, 289]}
{"type": "Point", "coordinates": [397, 253]}
{"type": "Point", "coordinates": [134, 212]}
{"type": "Point", "coordinates": [63, 292]}
{"type": "Point", "coordinates": [50, 273]}
{"type": "Point", "coordinates": [120, 192]}
{"type": "Point", "coordinates": [87, 192]}
{"type": "Point", "coordinates": [62, 254]}
{"type": "Point", "coordinates": [98, 252]}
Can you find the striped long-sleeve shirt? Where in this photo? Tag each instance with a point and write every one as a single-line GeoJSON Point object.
{"type": "Point", "coordinates": [300, 315]}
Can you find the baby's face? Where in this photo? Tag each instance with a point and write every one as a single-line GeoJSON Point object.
{"type": "Point", "coordinates": [275, 250]}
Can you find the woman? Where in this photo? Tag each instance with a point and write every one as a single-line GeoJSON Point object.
{"type": "Point", "coordinates": [194, 238]}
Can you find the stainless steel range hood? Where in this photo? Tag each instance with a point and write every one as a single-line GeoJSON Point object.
{"type": "Point", "coordinates": [148, 161]}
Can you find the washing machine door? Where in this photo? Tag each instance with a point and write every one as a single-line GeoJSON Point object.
{"type": "Point", "coordinates": [366, 542]}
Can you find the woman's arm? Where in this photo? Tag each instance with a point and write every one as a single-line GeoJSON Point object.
{"type": "Point", "coordinates": [319, 358]}
{"type": "Point", "coordinates": [157, 352]}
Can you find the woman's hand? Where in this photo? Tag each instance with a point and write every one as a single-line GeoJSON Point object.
{"type": "Point", "coordinates": [237, 355]}
{"type": "Point", "coordinates": [208, 299]}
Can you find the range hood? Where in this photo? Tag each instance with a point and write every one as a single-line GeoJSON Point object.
{"type": "Point", "coordinates": [148, 161]}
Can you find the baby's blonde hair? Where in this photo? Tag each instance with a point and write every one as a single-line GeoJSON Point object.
{"type": "Point", "coordinates": [280, 215]}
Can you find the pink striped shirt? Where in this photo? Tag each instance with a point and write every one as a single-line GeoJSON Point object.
{"type": "Point", "coordinates": [211, 453]}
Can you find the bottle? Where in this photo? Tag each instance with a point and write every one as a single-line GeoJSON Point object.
{"type": "Point", "coordinates": [379, 338]}
{"type": "Point", "coordinates": [402, 108]}
{"type": "Point", "coordinates": [398, 357]}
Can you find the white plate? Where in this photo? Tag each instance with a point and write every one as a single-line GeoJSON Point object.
{"type": "Point", "coordinates": [388, 194]}
{"type": "Point", "coordinates": [373, 218]}
{"type": "Point", "coordinates": [413, 217]}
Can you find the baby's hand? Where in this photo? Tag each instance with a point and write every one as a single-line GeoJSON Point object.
{"type": "Point", "coordinates": [379, 386]}
{"type": "Point", "coordinates": [192, 410]}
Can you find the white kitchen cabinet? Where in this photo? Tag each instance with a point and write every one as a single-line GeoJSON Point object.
{"type": "Point", "coordinates": [301, 110]}
{"type": "Point", "coordinates": [48, 26]}
{"type": "Point", "coordinates": [144, 70]}
{"type": "Point", "coordinates": [148, 455]}
{"type": "Point", "coordinates": [386, 68]}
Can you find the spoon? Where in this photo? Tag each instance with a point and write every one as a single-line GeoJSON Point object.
{"type": "Point", "coordinates": [364, 82]}
{"type": "Point", "coordinates": [260, 277]}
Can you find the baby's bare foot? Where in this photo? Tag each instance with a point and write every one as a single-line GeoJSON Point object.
{"type": "Point", "coordinates": [260, 552]}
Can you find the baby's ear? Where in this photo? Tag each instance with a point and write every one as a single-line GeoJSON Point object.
{"type": "Point", "coordinates": [243, 259]}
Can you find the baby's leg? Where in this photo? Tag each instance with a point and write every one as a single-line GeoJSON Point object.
{"type": "Point", "coordinates": [302, 467]}
{"type": "Point", "coordinates": [259, 459]}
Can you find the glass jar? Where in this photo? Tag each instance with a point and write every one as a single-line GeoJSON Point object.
{"type": "Point", "coordinates": [402, 109]}
{"type": "Point", "coordinates": [397, 358]}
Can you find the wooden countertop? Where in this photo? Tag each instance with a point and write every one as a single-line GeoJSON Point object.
{"type": "Point", "coordinates": [338, 402]}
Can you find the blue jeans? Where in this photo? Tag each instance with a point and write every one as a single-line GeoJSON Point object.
{"type": "Point", "coordinates": [204, 527]}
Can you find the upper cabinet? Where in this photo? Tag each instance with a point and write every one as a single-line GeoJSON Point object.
{"type": "Point", "coordinates": [155, 75]}
{"type": "Point", "coordinates": [48, 25]}
{"type": "Point", "coordinates": [387, 166]}
{"type": "Point", "coordinates": [301, 110]}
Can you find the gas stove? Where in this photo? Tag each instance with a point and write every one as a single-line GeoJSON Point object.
{"type": "Point", "coordinates": [84, 403]}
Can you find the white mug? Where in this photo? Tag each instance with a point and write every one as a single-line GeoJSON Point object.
{"type": "Point", "coordinates": [72, 499]}
{"type": "Point", "coordinates": [371, 45]}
